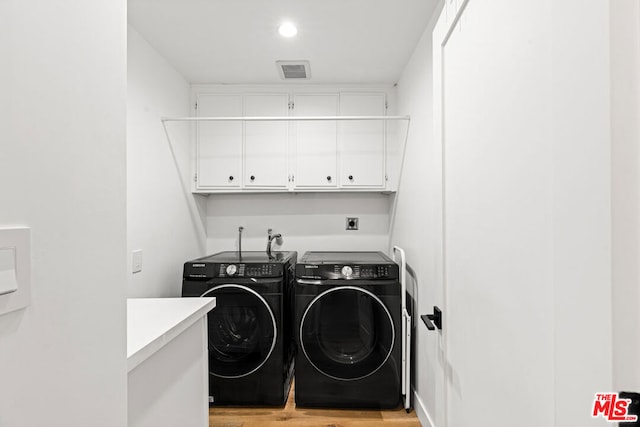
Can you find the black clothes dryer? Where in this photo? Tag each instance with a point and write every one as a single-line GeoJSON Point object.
{"type": "Point", "coordinates": [348, 327]}
{"type": "Point", "coordinates": [251, 345]}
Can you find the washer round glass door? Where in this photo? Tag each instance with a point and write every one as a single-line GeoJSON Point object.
{"type": "Point", "coordinates": [242, 331]}
{"type": "Point", "coordinates": [347, 333]}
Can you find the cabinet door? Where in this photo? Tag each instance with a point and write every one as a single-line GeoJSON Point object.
{"type": "Point", "coordinates": [219, 144]}
{"type": "Point", "coordinates": [315, 141]}
{"type": "Point", "coordinates": [266, 141]}
{"type": "Point", "coordinates": [362, 142]}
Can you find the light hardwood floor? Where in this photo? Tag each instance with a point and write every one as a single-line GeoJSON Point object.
{"type": "Point", "coordinates": [305, 417]}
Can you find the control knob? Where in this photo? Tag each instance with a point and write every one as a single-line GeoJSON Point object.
{"type": "Point", "coordinates": [231, 269]}
{"type": "Point", "coordinates": [347, 271]}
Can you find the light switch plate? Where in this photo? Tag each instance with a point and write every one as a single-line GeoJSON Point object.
{"type": "Point", "coordinates": [15, 268]}
{"type": "Point", "coordinates": [136, 261]}
{"type": "Point", "coordinates": [8, 271]}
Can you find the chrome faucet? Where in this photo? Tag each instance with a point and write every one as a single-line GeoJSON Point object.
{"type": "Point", "coordinates": [270, 238]}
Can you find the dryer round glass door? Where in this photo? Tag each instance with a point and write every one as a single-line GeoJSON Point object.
{"type": "Point", "coordinates": [347, 333]}
{"type": "Point", "coordinates": [242, 331]}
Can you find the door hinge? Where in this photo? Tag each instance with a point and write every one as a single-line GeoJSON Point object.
{"type": "Point", "coordinates": [291, 105]}
{"type": "Point", "coordinates": [195, 177]}
{"type": "Point", "coordinates": [196, 105]}
{"type": "Point", "coordinates": [386, 105]}
{"type": "Point", "coordinates": [386, 177]}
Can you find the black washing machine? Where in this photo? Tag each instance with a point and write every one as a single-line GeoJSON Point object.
{"type": "Point", "coordinates": [251, 344]}
{"type": "Point", "coordinates": [348, 330]}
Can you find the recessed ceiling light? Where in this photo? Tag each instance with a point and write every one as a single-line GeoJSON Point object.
{"type": "Point", "coordinates": [287, 29]}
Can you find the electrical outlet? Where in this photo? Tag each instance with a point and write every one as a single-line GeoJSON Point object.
{"type": "Point", "coordinates": [352, 223]}
{"type": "Point", "coordinates": [136, 261]}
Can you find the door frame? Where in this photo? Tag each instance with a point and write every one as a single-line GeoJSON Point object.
{"type": "Point", "coordinates": [449, 18]}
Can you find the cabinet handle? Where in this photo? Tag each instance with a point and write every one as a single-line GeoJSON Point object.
{"type": "Point", "coordinates": [253, 178]}
{"type": "Point", "coordinates": [231, 178]}
{"type": "Point", "coordinates": [350, 177]}
{"type": "Point", "coordinates": [329, 178]}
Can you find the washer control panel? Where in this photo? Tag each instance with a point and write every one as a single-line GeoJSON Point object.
{"type": "Point", "coordinates": [248, 265]}
{"type": "Point", "coordinates": [202, 270]}
{"type": "Point", "coordinates": [347, 271]}
{"type": "Point", "coordinates": [249, 270]}
{"type": "Point", "coordinates": [231, 269]}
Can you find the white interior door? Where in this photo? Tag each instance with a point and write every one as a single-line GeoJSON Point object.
{"type": "Point", "coordinates": [497, 206]}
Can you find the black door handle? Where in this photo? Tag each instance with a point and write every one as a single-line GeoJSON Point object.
{"type": "Point", "coordinates": [433, 321]}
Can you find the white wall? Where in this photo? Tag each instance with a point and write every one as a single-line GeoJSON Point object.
{"type": "Point", "coordinates": [625, 108]}
{"type": "Point", "coordinates": [307, 221]}
{"type": "Point", "coordinates": [62, 173]}
{"type": "Point", "coordinates": [416, 227]}
{"type": "Point", "coordinates": [164, 219]}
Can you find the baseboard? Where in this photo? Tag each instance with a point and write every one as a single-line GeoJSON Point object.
{"type": "Point", "coordinates": [421, 411]}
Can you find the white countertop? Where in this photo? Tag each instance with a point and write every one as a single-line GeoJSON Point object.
{"type": "Point", "coordinates": [153, 322]}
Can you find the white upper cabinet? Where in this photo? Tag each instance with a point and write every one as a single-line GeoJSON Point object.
{"type": "Point", "coordinates": [362, 142]}
{"type": "Point", "coordinates": [219, 143]}
{"type": "Point", "coordinates": [258, 154]}
{"type": "Point", "coordinates": [266, 142]}
{"type": "Point", "coordinates": [315, 156]}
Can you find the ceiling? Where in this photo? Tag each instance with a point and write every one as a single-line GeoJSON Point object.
{"type": "Point", "coordinates": [236, 41]}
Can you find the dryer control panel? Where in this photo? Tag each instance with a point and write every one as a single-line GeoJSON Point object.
{"type": "Point", "coordinates": [347, 271]}
{"type": "Point", "coordinates": [347, 266]}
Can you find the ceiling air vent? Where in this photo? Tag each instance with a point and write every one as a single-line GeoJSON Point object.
{"type": "Point", "coordinates": [293, 70]}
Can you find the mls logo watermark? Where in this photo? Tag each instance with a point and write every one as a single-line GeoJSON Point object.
{"type": "Point", "coordinates": [612, 408]}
